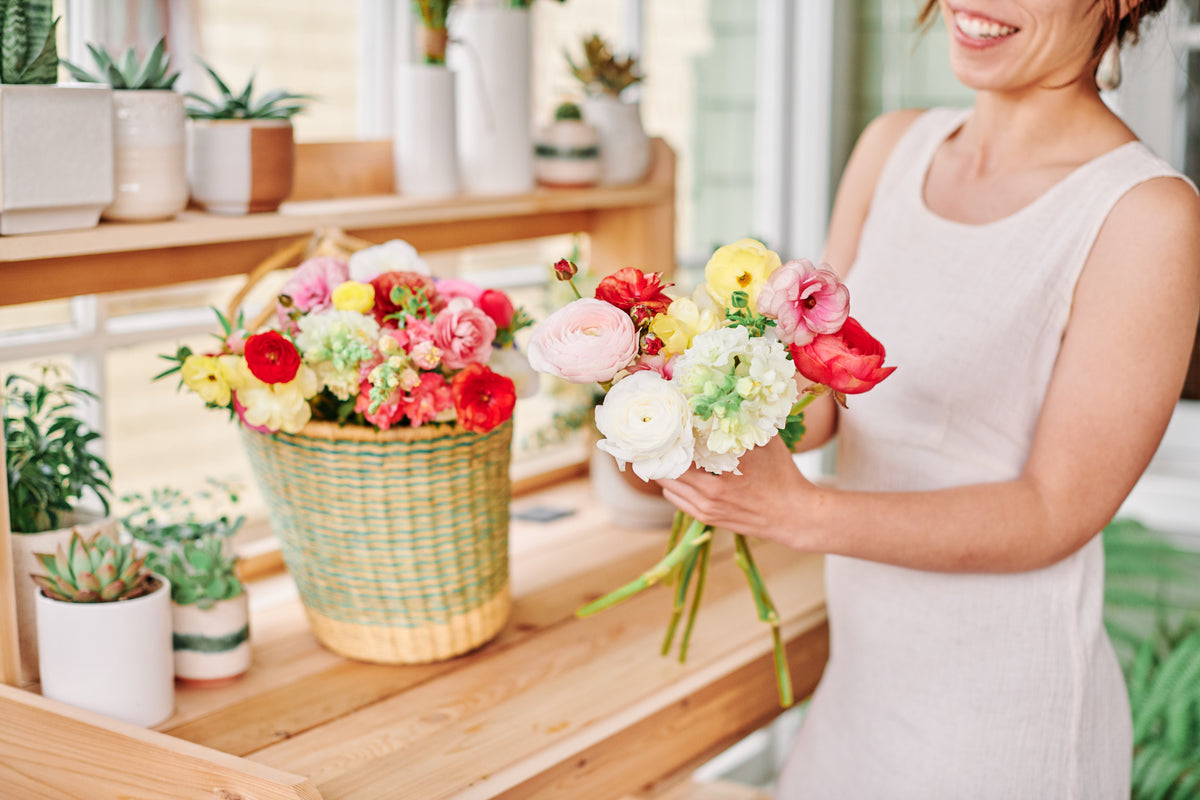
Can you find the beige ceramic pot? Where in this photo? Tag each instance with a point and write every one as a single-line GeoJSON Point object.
{"type": "Point", "coordinates": [149, 156]}
{"type": "Point", "coordinates": [212, 645]}
{"type": "Point", "coordinates": [240, 166]}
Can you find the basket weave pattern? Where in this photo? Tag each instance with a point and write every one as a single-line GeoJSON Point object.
{"type": "Point", "coordinates": [398, 539]}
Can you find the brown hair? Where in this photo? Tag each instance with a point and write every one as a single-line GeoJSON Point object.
{"type": "Point", "coordinates": [1115, 26]}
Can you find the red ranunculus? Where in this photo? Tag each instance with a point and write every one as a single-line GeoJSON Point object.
{"type": "Point", "coordinates": [385, 282]}
{"type": "Point", "coordinates": [496, 305]}
{"type": "Point", "coordinates": [483, 399]}
{"type": "Point", "coordinates": [271, 357]}
{"type": "Point", "coordinates": [628, 287]}
{"type": "Point", "coordinates": [849, 361]}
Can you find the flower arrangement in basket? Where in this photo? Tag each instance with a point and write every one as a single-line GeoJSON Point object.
{"type": "Point", "coordinates": [378, 387]}
{"type": "Point", "coordinates": [702, 379]}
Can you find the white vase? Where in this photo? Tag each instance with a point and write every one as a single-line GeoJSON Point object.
{"type": "Point", "coordinates": [624, 145]}
{"type": "Point", "coordinates": [111, 658]}
{"type": "Point", "coordinates": [212, 645]}
{"type": "Point", "coordinates": [631, 502]}
{"type": "Point", "coordinates": [25, 563]}
{"type": "Point", "coordinates": [568, 154]}
{"type": "Point", "coordinates": [490, 53]}
{"type": "Point", "coordinates": [238, 166]}
{"type": "Point", "coordinates": [423, 143]}
{"type": "Point", "coordinates": [56, 156]}
{"type": "Point", "coordinates": [149, 156]}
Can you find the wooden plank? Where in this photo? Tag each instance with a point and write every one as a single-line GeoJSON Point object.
{"type": "Point", "coordinates": [342, 169]}
{"type": "Point", "coordinates": [642, 237]}
{"type": "Point", "coordinates": [10, 647]}
{"type": "Point", "coordinates": [53, 751]}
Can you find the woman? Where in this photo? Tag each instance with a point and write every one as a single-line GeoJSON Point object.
{"type": "Point", "coordinates": [1035, 275]}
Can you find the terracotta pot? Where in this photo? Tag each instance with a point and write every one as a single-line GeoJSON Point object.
{"type": "Point", "coordinates": [240, 166]}
{"type": "Point", "coordinates": [149, 156]}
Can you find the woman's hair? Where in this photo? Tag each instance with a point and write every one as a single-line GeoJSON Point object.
{"type": "Point", "coordinates": [1122, 29]}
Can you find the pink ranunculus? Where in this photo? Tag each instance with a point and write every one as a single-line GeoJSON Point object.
{"type": "Point", "coordinates": [586, 340]}
{"type": "Point", "coordinates": [414, 332]}
{"type": "Point", "coordinates": [463, 333]}
{"type": "Point", "coordinates": [655, 363]}
{"type": "Point", "coordinates": [450, 288]}
{"type": "Point", "coordinates": [849, 361]}
{"type": "Point", "coordinates": [311, 286]}
{"type": "Point", "coordinates": [498, 306]}
{"type": "Point", "coordinates": [804, 300]}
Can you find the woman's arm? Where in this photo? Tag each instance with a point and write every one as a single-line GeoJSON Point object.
{"type": "Point", "coordinates": [1118, 376]}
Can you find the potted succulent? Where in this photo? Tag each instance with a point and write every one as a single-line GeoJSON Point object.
{"type": "Point", "coordinates": [164, 518]}
{"type": "Point", "coordinates": [568, 150]}
{"type": "Point", "coordinates": [52, 471]}
{"type": "Point", "coordinates": [55, 141]}
{"type": "Point", "coordinates": [149, 161]}
{"type": "Point", "coordinates": [423, 145]}
{"type": "Point", "coordinates": [241, 150]}
{"type": "Point", "coordinates": [209, 611]}
{"type": "Point", "coordinates": [97, 599]}
{"type": "Point", "coordinates": [624, 146]}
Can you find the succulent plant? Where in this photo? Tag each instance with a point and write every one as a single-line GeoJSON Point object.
{"type": "Point", "coordinates": [166, 516]}
{"type": "Point", "coordinates": [277, 104]}
{"type": "Point", "coordinates": [203, 574]}
{"type": "Point", "coordinates": [603, 72]}
{"type": "Point", "coordinates": [567, 111]}
{"type": "Point", "coordinates": [126, 72]}
{"type": "Point", "coordinates": [28, 43]}
{"type": "Point", "coordinates": [94, 570]}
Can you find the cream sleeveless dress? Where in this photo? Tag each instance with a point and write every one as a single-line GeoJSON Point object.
{"type": "Point", "coordinates": [966, 686]}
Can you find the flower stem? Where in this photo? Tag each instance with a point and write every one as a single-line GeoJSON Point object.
{"type": "Point", "coordinates": [684, 577]}
{"type": "Point", "coordinates": [702, 573]}
{"type": "Point", "coordinates": [766, 613]}
{"type": "Point", "coordinates": [804, 402]}
{"type": "Point", "coordinates": [696, 534]}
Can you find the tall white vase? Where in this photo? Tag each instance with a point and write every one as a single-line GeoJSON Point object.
{"type": "Point", "coordinates": [490, 52]}
{"type": "Point", "coordinates": [423, 143]}
{"type": "Point", "coordinates": [624, 145]}
{"type": "Point", "coordinates": [149, 156]}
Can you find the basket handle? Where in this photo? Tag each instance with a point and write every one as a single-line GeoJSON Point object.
{"type": "Point", "coordinates": [323, 242]}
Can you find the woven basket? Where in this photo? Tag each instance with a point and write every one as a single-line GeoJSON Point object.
{"type": "Point", "coordinates": [398, 539]}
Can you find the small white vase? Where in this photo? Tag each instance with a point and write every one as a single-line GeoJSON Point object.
{"type": "Point", "coordinates": [111, 658]}
{"type": "Point", "coordinates": [212, 645]}
{"type": "Point", "coordinates": [631, 502]}
{"type": "Point", "coordinates": [240, 166]}
{"type": "Point", "coordinates": [149, 156]}
{"type": "Point", "coordinates": [25, 546]}
{"type": "Point", "coordinates": [423, 143]}
{"type": "Point", "coordinates": [490, 54]}
{"type": "Point", "coordinates": [624, 145]}
{"type": "Point", "coordinates": [568, 154]}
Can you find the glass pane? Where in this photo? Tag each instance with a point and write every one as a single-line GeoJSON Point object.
{"type": "Point", "coordinates": [52, 313]}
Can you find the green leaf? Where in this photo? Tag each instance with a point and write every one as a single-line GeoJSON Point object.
{"type": "Point", "coordinates": [150, 73]}
{"type": "Point", "coordinates": [78, 73]}
{"type": "Point", "coordinates": [43, 69]}
{"type": "Point", "coordinates": [14, 43]}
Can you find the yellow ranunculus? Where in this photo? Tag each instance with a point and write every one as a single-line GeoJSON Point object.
{"type": "Point", "coordinates": [683, 320]}
{"type": "Point", "coordinates": [203, 375]}
{"type": "Point", "coordinates": [741, 266]}
{"type": "Point", "coordinates": [237, 373]}
{"type": "Point", "coordinates": [354, 296]}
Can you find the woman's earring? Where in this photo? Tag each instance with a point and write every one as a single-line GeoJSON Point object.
{"type": "Point", "coordinates": [1108, 73]}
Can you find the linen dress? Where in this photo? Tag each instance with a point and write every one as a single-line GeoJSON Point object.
{"type": "Point", "coordinates": [966, 686]}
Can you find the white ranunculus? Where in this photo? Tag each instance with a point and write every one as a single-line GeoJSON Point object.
{"type": "Point", "coordinates": [646, 422]}
{"type": "Point", "coordinates": [394, 256]}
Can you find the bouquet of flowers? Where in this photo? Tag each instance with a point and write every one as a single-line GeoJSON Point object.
{"type": "Point", "coordinates": [372, 340]}
{"type": "Point", "coordinates": [701, 380]}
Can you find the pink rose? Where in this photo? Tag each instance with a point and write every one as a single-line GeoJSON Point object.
{"type": "Point", "coordinates": [450, 288]}
{"type": "Point", "coordinates": [849, 361]}
{"type": "Point", "coordinates": [463, 333]}
{"type": "Point", "coordinates": [311, 286]}
{"type": "Point", "coordinates": [586, 340]}
{"type": "Point", "coordinates": [658, 364]}
{"type": "Point", "coordinates": [805, 301]}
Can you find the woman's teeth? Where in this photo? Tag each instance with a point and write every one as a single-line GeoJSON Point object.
{"type": "Point", "coordinates": [978, 28]}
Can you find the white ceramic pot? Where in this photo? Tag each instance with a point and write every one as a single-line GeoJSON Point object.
{"type": "Point", "coordinates": [212, 645]}
{"type": "Point", "coordinates": [25, 563]}
{"type": "Point", "coordinates": [56, 156]}
{"type": "Point", "coordinates": [490, 53]}
{"type": "Point", "coordinates": [568, 154]}
{"type": "Point", "coordinates": [111, 658]}
{"type": "Point", "coordinates": [149, 156]}
{"type": "Point", "coordinates": [240, 167]}
{"type": "Point", "coordinates": [423, 143]}
{"type": "Point", "coordinates": [624, 145]}
{"type": "Point", "coordinates": [630, 501]}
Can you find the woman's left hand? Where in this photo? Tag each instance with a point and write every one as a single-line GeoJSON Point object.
{"type": "Point", "coordinates": [768, 500]}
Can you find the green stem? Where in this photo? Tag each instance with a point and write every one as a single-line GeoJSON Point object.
{"type": "Point", "coordinates": [766, 613]}
{"type": "Point", "coordinates": [696, 534]}
{"type": "Point", "coordinates": [705, 549]}
{"type": "Point", "coordinates": [574, 288]}
{"type": "Point", "coordinates": [804, 402]}
{"type": "Point", "coordinates": [684, 577]}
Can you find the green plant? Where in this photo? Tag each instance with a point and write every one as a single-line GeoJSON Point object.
{"type": "Point", "coordinates": [203, 574]}
{"type": "Point", "coordinates": [28, 43]}
{"type": "Point", "coordinates": [48, 452]}
{"type": "Point", "coordinates": [433, 15]}
{"type": "Point", "coordinates": [277, 104]}
{"type": "Point", "coordinates": [165, 516]}
{"type": "Point", "coordinates": [126, 72]}
{"type": "Point", "coordinates": [95, 570]}
{"type": "Point", "coordinates": [603, 72]}
{"type": "Point", "coordinates": [567, 111]}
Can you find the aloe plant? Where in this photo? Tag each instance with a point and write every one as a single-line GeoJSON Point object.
{"type": "Point", "coordinates": [602, 72]}
{"type": "Point", "coordinates": [127, 72]}
{"type": "Point", "coordinates": [28, 44]}
{"type": "Point", "coordinates": [203, 574]}
{"type": "Point", "coordinates": [277, 104]}
{"type": "Point", "coordinates": [95, 570]}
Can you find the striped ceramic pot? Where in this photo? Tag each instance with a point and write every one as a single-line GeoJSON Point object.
{"type": "Point", "coordinates": [240, 166]}
{"type": "Point", "coordinates": [212, 645]}
{"type": "Point", "coordinates": [568, 154]}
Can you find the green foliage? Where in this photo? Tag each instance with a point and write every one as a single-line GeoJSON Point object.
{"type": "Point", "coordinates": [202, 573]}
{"type": "Point", "coordinates": [48, 451]}
{"type": "Point", "coordinates": [567, 111]}
{"type": "Point", "coordinates": [126, 72]}
{"type": "Point", "coordinates": [95, 570]}
{"type": "Point", "coordinates": [167, 516]}
{"type": "Point", "coordinates": [277, 104]}
{"type": "Point", "coordinates": [603, 72]}
{"type": "Point", "coordinates": [28, 43]}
